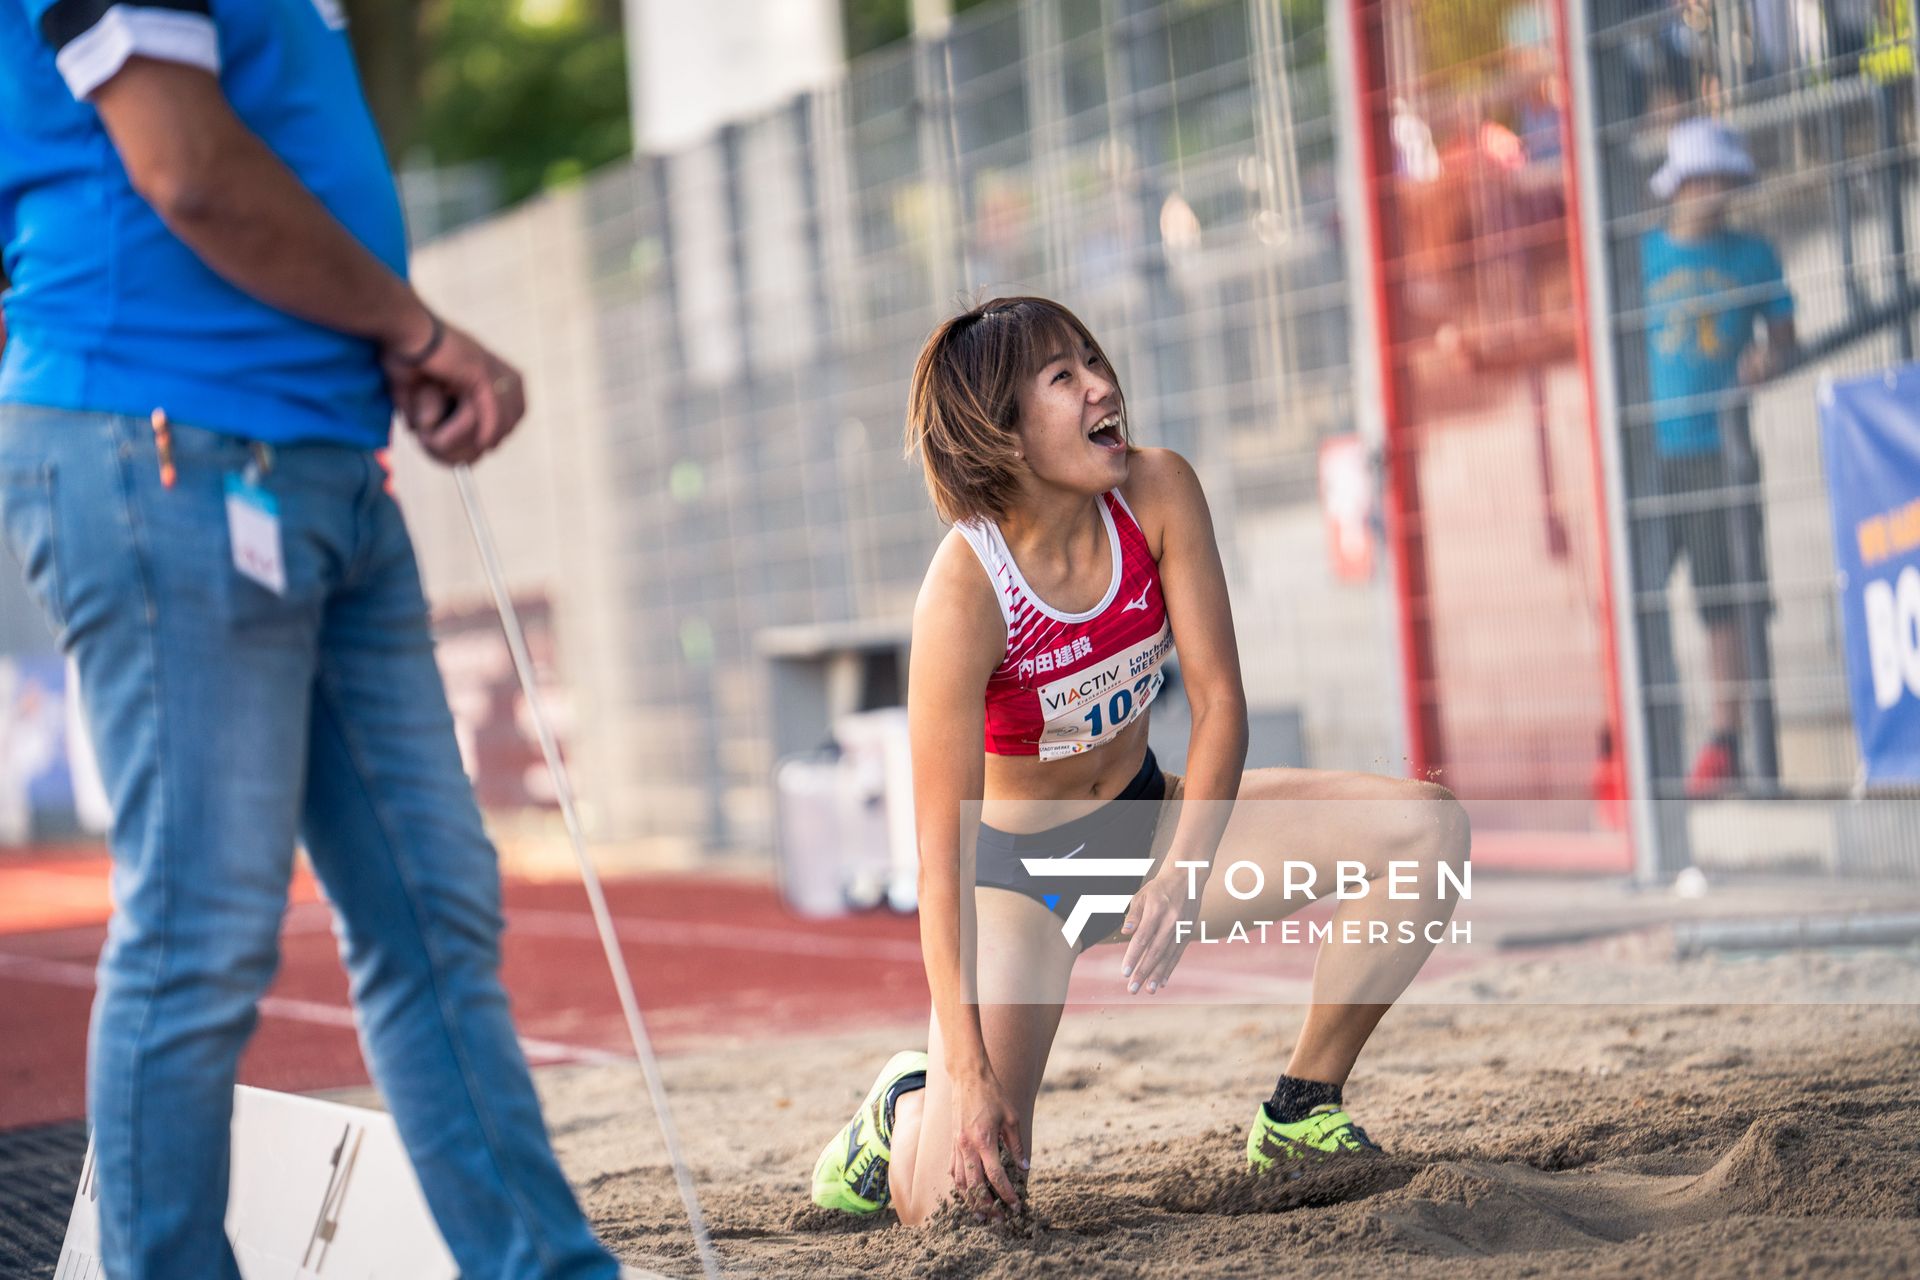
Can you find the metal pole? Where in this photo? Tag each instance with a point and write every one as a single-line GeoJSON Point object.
{"type": "Point", "coordinates": [1893, 194]}
{"type": "Point", "coordinates": [1404, 538]}
{"type": "Point", "coordinates": [1641, 817]}
{"type": "Point", "coordinates": [1364, 328]}
{"type": "Point", "coordinates": [1840, 189]}
{"type": "Point", "coordinates": [1746, 536]}
{"type": "Point", "coordinates": [596, 896]}
{"type": "Point", "coordinates": [949, 265]}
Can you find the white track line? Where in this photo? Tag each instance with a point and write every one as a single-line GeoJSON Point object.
{"type": "Point", "coordinates": [61, 973]}
{"type": "Point", "coordinates": [727, 937]}
{"type": "Point", "coordinates": [314, 917]}
{"type": "Point", "coordinates": [1219, 979]}
{"type": "Point", "coordinates": [1215, 979]}
{"type": "Point", "coordinates": [317, 917]}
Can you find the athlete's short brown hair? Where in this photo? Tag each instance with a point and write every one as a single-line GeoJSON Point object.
{"type": "Point", "coordinates": [963, 408]}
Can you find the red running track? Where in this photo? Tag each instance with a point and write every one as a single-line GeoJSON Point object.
{"type": "Point", "coordinates": [712, 960]}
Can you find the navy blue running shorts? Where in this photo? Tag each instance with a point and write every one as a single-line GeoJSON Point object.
{"type": "Point", "coordinates": [1121, 828]}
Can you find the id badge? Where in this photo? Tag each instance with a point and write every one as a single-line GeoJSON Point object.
{"type": "Point", "coordinates": [253, 527]}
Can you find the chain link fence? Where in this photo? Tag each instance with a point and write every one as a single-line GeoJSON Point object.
{"type": "Point", "coordinates": [736, 564]}
{"type": "Point", "coordinates": [711, 496]}
{"type": "Point", "coordinates": [1726, 508]}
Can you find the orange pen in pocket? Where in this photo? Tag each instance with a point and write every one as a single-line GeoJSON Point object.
{"type": "Point", "coordinates": [163, 439]}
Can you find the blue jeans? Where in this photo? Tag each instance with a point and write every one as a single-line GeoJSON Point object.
{"type": "Point", "coordinates": [230, 722]}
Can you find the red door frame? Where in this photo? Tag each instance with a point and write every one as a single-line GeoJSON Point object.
{"type": "Point", "coordinates": [1406, 538]}
{"type": "Point", "coordinates": [1406, 550]}
{"type": "Point", "coordinates": [1583, 338]}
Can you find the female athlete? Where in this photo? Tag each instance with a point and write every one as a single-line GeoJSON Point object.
{"type": "Point", "coordinates": [1045, 826]}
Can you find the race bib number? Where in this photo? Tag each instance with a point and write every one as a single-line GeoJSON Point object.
{"type": "Point", "coordinates": [1083, 710]}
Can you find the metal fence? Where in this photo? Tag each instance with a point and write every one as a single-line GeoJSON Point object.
{"type": "Point", "coordinates": [1747, 634]}
{"type": "Point", "coordinates": [1413, 230]}
{"type": "Point", "coordinates": [1167, 169]}
{"type": "Point", "coordinates": [712, 496]}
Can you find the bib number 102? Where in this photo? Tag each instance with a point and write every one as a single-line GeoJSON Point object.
{"type": "Point", "coordinates": [1120, 706]}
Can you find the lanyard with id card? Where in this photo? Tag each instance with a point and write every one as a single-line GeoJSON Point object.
{"type": "Point", "coordinates": [253, 524]}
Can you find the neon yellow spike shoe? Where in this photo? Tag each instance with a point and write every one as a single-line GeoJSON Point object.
{"type": "Point", "coordinates": [1326, 1132]}
{"type": "Point", "coordinates": [851, 1174]}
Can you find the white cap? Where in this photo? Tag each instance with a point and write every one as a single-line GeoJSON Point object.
{"type": "Point", "coordinates": [1701, 149]}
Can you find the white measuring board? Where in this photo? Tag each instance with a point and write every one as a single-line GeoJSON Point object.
{"type": "Point", "coordinates": [319, 1191]}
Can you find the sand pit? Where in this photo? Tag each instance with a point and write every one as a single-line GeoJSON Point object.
{"type": "Point", "coordinates": [1525, 1139]}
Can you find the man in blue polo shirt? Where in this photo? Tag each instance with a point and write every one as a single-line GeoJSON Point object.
{"type": "Point", "coordinates": [207, 323]}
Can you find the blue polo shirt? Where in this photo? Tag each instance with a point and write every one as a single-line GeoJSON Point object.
{"type": "Point", "coordinates": [108, 311]}
{"type": "Point", "coordinates": [1702, 298]}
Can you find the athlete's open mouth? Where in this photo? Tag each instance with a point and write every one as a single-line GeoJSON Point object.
{"type": "Point", "coordinates": [1106, 433]}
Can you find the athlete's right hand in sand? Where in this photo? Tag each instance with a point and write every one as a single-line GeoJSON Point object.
{"type": "Point", "coordinates": [986, 1121]}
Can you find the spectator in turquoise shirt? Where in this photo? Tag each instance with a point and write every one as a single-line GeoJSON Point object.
{"type": "Point", "coordinates": [1719, 318]}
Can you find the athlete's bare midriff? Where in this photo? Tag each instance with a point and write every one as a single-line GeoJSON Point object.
{"type": "Point", "coordinates": [1026, 793]}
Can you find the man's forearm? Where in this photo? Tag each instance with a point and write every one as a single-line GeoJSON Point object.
{"type": "Point", "coordinates": [231, 200]}
{"type": "Point", "coordinates": [256, 226]}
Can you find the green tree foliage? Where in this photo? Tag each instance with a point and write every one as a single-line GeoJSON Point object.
{"type": "Point", "coordinates": [1461, 37]}
{"type": "Point", "coordinates": [1303, 15]}
{"type": "Point", "coordinates": [871, 24]}
{"type": "Point", "coordinates": [537, 87]}
{"type": "Point", "coordinates": [387, 45]}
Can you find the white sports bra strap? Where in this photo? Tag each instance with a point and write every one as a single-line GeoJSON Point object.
{"type": "Point", "coordinates": [986, 544]}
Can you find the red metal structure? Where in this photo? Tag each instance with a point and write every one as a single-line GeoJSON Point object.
{"type": "Point", "coordinates": [1494, 504]}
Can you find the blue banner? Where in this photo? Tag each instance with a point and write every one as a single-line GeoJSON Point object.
{"type": "Point", "coordinates": [1871, 432]}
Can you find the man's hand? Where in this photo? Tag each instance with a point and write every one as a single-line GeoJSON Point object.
{"type": "Point", "coordinates": [461, 401]}
{"type": "Point", "coordinates": [1153, 920]}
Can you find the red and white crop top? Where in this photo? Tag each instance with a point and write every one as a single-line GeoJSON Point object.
{"type": "Point", "coordinates": [1071, 681]}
